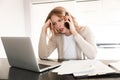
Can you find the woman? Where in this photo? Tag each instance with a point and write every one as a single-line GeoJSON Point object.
{"type": "Point", "coordinates": [71, 40]}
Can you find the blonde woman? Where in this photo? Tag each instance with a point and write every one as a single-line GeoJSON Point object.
{"type": "Point", "coordinates": [71, 40]}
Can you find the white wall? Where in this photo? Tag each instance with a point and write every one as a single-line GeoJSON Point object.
{"type": "Point", "coordinates": [14, 19]}
{"type": "Point", "coordinates": [11, 17]}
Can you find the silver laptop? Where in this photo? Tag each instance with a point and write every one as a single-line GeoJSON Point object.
{"type": "Point", "coordinates": [20, 53]}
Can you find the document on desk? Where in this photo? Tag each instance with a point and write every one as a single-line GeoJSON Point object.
{"type": "Point", "coordinates": [83, 68]}
{"type": "Point", "coordinates": [99, 69]}
{"type": "Point", "coordinates": [75, 66]}
{"type": "Point", "coordinates": [115, 65]}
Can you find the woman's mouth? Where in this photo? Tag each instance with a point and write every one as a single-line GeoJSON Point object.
{"type": "Point", "coordinates": [61, 29]}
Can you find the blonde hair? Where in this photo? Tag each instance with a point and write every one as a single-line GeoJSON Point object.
{"type": "Point", "coordinates": [60, 12]}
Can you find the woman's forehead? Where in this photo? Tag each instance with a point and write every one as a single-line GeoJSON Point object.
{"type": "Point", "coordinates": [55, 17]}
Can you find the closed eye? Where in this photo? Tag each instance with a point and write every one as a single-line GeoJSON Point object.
{"type": "Point", "coordinates": [60, 20]}
{"type": "Point", "coordinates": [54, 24]}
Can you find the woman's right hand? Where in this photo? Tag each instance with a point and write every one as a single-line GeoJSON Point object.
{"type": "Point", "coordinates": [47, 25]}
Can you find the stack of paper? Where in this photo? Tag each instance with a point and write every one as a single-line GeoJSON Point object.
{"type": "Point", "coordinates": [75, 66]}
{"type": "Point", "coordinates": [83, 67]}
{"type": "Point", "coordinates": [99, 69]}
{"type": "Point", "coordinates": [115, 65]}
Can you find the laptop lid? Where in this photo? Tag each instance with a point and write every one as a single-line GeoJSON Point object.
{"type": "Point", "coordinates": [20, 53]}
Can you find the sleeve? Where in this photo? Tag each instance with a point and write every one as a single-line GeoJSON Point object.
{"type": "Point", "coordinates": [86, 43]}
{"type": "Point", "coordinates": [45, 49]}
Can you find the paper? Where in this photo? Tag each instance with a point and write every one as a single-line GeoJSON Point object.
{"type": "Point", "coordinates": [75, 66]}
{"type": "Point", "coordinates": [99, 69]}
{"type": "Point", "coordinates": [115, 65]}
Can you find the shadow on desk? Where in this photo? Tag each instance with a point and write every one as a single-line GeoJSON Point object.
{"type": "Point", "coordinates": [110, 76]}
{"type": "Point", "coordinates": [21, 74]}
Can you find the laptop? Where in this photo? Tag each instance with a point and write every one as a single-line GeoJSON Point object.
{"type": "Point", "coordinates": [20, 54]}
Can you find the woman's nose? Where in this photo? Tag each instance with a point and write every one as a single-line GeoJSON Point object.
{"type": "Point", "coordinates": [58, 25]}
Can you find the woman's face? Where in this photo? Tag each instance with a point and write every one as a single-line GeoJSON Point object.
{"type": "Point", "coordinates": [58, 24]}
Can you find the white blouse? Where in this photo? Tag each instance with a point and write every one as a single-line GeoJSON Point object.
{"type": "Point", "coordinates": [69, 47]}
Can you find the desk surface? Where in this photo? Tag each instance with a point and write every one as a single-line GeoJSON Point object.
{"type": "Point", "coordinates": [10, 73]}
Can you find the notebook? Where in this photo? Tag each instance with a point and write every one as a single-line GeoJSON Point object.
{"type": "Point", "coordinates": [20, 54]}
